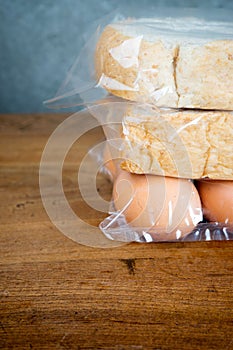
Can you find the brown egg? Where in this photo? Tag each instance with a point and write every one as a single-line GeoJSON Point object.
{"type": "Point", "coordinates": [217, 200]}
{"type": "Point", "coordinates": [168, 208]}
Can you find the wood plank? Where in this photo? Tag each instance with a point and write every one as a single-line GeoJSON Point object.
{"type": "Point", "coordinates": [57, 294]}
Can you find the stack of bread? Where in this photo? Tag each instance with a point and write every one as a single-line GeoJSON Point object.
{"type": "Point", "coordinates": [177, 159]}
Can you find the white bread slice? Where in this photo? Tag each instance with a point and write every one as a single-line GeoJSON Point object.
{"type": "Point", "coordinates": [186, 144]}
{"type": "Point", "coordinates": [182, 64]}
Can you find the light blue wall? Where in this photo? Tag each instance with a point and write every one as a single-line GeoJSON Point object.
{"type": "Point", "coordinates": [39, 41]}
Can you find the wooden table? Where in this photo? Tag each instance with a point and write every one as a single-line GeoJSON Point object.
{"type": "Point", "coordinates": [57, 294]}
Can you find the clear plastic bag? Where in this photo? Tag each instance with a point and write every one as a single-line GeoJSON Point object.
{"type": "Point", "coordinates": [159, 153]}
{"type": "Point", "coordinates": [156, 207]}
{"type": "Point", "coordinates": [176, 58]}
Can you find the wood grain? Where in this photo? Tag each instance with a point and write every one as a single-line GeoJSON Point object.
{"type": "Point", "coordinates": [57, 294]}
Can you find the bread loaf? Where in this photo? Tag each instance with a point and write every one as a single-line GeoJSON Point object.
{"type": "Point", "coordinates": [183, 64]}
{"type": "Point", "coordinates": [186, 144]}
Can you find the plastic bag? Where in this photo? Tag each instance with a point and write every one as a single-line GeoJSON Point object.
{"type": "Point", "coordinates": [160, 159]}
{"type": "Point", "coordinates": [156, 207]}
{"type": "Point", "coordinates": [176, 58]}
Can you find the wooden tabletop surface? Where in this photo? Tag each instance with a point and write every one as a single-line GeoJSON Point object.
{"type": "Point", "coordinates": [58, 294]}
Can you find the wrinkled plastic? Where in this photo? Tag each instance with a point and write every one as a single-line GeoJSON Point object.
{"type": "Point", "coordinates": [169, 142]}
{"type": "Point", "coordinates": [156, 216]}
{"type": "Point", "coordinates": [163, 61]}
{"type": "Point", "coordinates": [153, 60]}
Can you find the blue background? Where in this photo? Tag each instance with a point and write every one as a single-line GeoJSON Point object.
{"type": "Point", "coordinates": [39, 41]}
